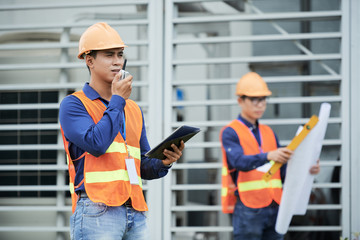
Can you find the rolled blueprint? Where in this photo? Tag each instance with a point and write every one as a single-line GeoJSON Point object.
{"type": "Point", "coordinates": [299, 181]}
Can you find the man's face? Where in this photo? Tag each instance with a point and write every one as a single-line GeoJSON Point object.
{"type": "Point", "coordinates": [106, 64]}
{"type": "Point", "coordinates": [252, 108]}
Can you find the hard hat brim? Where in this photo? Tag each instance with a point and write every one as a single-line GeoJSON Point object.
{"type": "Point", "coordinates": [81, 55]}
{"type": "Point", "coordinates": [256, 94]}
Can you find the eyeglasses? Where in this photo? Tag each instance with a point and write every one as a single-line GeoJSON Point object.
{"type": "Point", "coordinates": [255, 100]}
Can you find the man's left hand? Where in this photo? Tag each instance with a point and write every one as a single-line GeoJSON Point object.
{"type": "Point", "coordinates": [315, 169]}
{"type": "Point", "coordinates": [173, 156]}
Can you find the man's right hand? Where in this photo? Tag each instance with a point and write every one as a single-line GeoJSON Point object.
{"type": "Point", "coordinates": [123, 87]}
{"type": "Point", "coordinates": [280, 155]}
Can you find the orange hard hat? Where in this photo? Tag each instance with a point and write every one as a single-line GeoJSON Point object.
{"type": "Point", "coordinates": [252, 85]}
{"type": "Point", "coordinates": [98, 37]}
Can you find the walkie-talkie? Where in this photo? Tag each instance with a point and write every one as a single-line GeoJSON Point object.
{"type": "Point", "coordinates": [124, 74]}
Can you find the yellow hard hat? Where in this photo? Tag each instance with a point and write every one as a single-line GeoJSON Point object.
{"type": "Point", "coordinates": [252, 85]}
{"type": "Point", "coordinates": [98, 37]}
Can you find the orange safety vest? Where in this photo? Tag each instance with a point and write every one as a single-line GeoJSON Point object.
{"type": "Point", "coordinates": [254, 192]}
{"type": "Point", "coordinates": [106, 178]}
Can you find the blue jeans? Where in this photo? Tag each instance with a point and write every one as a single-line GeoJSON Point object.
{"type": "Point", "coordinates": [255, 223]}
{"type": "Point", "coordinates": [96, 221]}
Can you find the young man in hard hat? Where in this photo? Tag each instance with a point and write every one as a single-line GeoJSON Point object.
{"type": "Point", "coordinates": [247, 149]}
{"type": "Point", "coordinates": [105, 143]}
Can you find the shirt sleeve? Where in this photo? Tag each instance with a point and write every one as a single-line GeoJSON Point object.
{"type": "Point", "coordinates": [235, 153]}
{"type": "Point", "coordinates": [151, 168]}
{"type": "Point", "coordinates": [80, 129]}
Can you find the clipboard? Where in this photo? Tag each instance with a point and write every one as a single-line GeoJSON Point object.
{"type": "Point", "coordinates": [181, 133]}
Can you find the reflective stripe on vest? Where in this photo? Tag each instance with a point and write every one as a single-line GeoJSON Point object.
{"type": "Point", "coordinates": [224, 171]}
{"type": "Point", "coordinates": [224, 191]}
{"type": "Point", "coordinates": [72, 188]}
{"type": "Point", "coordinates": [109, 176]}
{"type": "Point", "coordinates": [121, 148]}
{"type": "Point", "coordinates": [134, 152]}
{"type": "Point", "coordinates": [257, 185]}
{"type": "Point", "coordinates": [116, 147]}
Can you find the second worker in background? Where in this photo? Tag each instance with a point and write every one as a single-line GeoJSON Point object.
{"type": "Point", "coordinates": [247, 149]}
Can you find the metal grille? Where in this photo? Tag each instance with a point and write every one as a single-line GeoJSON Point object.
{"type": "Point", "coordinates": [38, 68]}
{"type": "Point", "coordinates": [296, 47]}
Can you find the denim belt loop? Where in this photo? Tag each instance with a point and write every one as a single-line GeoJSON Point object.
{"type": "Point", "coordinates": [128, 203]}
{"type": "Point", "coordinates": [82, 194]}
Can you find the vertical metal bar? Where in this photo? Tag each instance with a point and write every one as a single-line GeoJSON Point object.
{"type": "Point", "coordinates": [354, 57]}
{"type": "Point", "coordinates": [60, 175]}
{"type": "Point", "coordinates": [155, 111]}
{"type": "Point", "coordinates": [305, 27]}
{"type": "Point", "coordinates": [168, 78]}
{"type": "Point", "coordinates": [345, 147]}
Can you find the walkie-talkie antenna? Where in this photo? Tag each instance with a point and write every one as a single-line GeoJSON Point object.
{"type": "Point", "coordinates": [124, 66]}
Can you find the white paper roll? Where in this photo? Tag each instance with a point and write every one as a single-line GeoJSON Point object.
{"type": "Point", "coordinates": [299, 181]}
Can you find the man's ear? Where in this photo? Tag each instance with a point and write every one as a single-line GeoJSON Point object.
{"type": "Point", "coordinates": [240, 100]}
{"type": "Point", "coordinates": [89, 61]}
